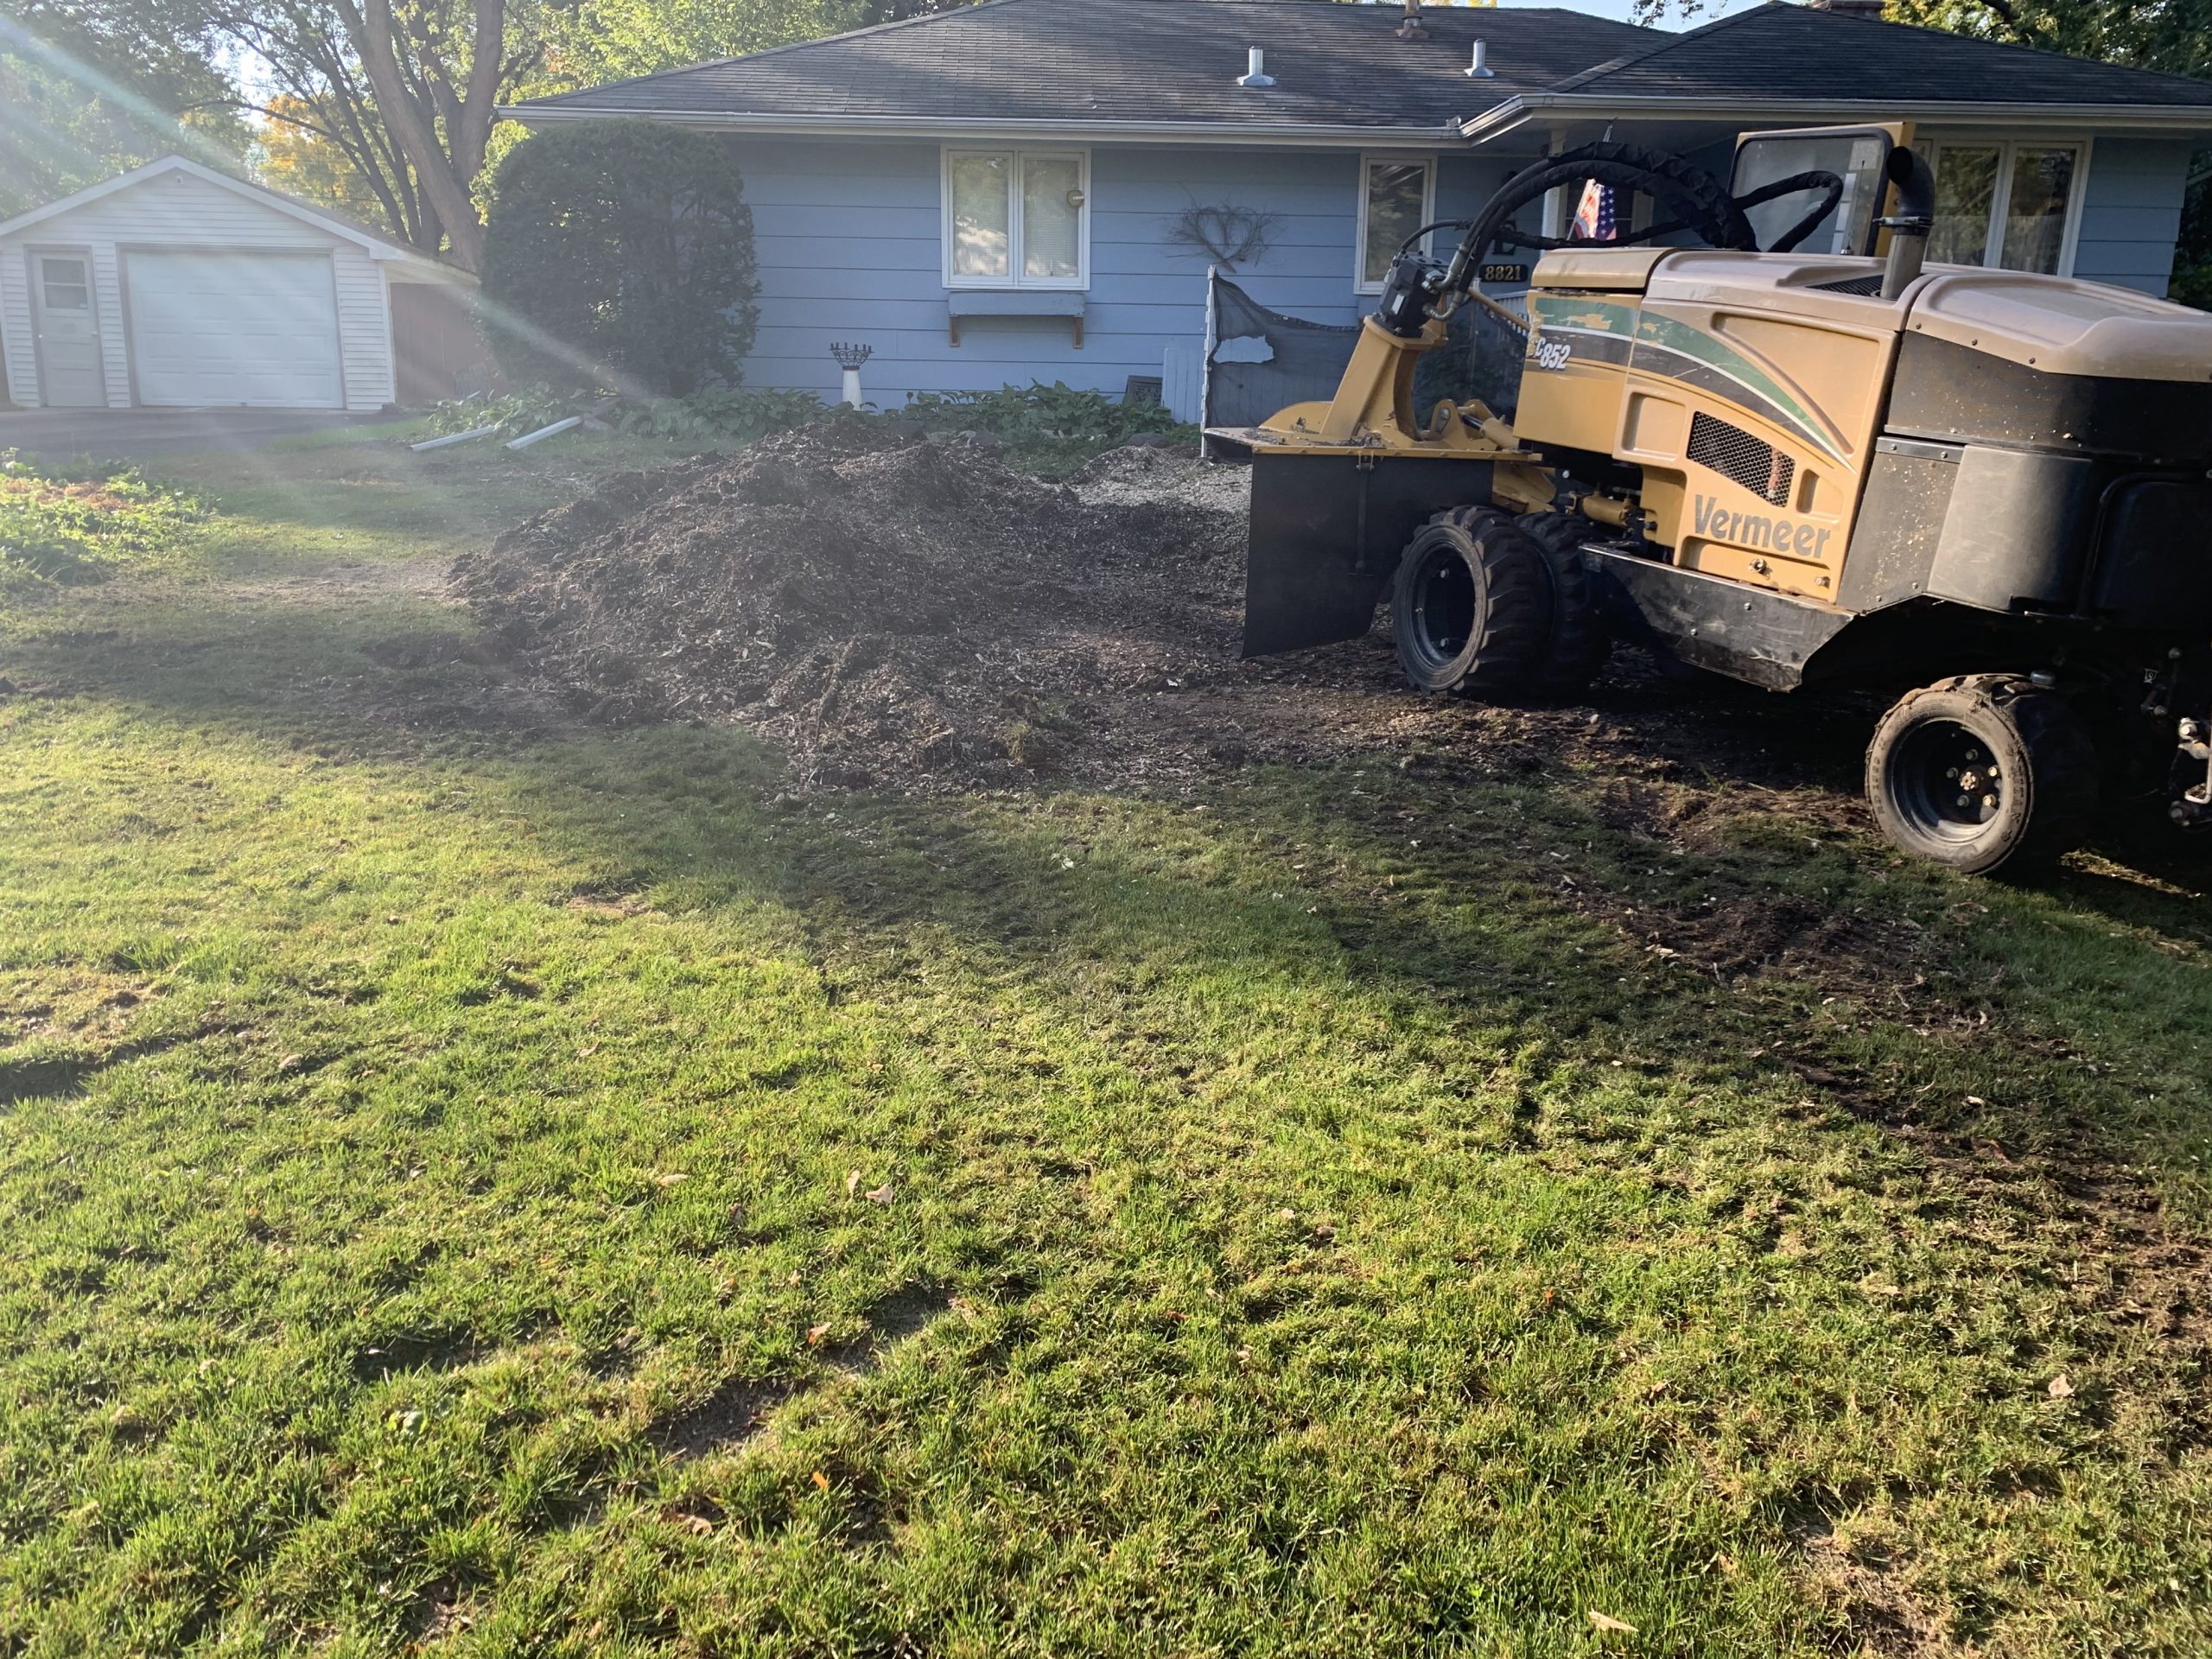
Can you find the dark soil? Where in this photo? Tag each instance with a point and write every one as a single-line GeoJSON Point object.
{"type": "Point", "coordinates": [918, 614]}
{"type": "Point", "coordinates": [890, 610]}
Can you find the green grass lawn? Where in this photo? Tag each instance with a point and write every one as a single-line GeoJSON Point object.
{"type": "Point", "coordinates": [471, 1182]}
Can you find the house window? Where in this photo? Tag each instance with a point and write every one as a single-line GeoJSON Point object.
{"type": "Point", "coordinates": [1017, 219]}
{"type": "Point", "coordinates": [1397, 196]}
{"type": "Point", "coordinates": [64, 281]}
{"type": "Point", "coordinates": [2011, 205]}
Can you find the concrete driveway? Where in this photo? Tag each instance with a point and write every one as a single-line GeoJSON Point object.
{"type": "Point", "coordinates": [149, 433]}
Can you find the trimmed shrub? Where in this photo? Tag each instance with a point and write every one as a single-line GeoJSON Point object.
{"type": "Point", "coordinates": [619, 255]}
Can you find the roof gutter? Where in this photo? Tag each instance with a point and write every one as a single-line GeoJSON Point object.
{"type": "Point", "coordinates": [935, 127]}
{"type": "Point", "coordinates": [1520, 110]}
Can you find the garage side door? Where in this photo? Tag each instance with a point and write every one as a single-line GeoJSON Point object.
{"type": "Point", "coordinates": [227, 329]}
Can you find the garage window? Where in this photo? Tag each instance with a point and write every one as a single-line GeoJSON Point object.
{"type": "Point", "coordinates": [1017, 219]}
{"type": "Point", "coordinates": [68, 288]}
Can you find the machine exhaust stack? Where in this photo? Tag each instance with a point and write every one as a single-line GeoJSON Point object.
{"type": "Point", "coordinates": [1909, 225]}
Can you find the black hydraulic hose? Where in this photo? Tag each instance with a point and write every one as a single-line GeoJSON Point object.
{"type": "Point", "coordinates": [1828, 184]}
{"type": "Point", "coordinates": [1691, 195]}
{"type": "Point", "coordinates": [1698, 201]}
{"type": "Point", "coordinates": [1512, 236]}
{"type": "Point", "coordinates": [1436, 225]}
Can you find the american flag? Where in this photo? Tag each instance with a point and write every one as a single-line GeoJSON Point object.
{"type": "Point", "coordinates": [1593, 218]}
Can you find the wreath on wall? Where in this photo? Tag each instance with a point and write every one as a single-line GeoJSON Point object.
{"type": "Point", "coordinates": [1230, 236]}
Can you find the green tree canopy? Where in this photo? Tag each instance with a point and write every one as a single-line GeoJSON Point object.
{"type": "Point", "coordinates": [2172, 35]}
{"type": "Point", "coordinates": [91, 87]}
{"type": "Point", "coordinates": [387, 106]}
{"type": "Point", "coordinates": [596, 40]}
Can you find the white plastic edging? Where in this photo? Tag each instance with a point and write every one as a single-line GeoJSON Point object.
{"type": "Point", "coordinates": [453, 437]}
{"type": "Point", "coordinates": [529, 438]}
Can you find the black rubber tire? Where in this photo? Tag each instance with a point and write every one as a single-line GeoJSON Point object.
{"type": "Point", "coordinates": [2021, 757]}
{"type": "Point", "coordinates": [1471, 606]}
{"type": "Point", "coordinates": [1579, 644]}
{"type": "Point", "coordinates": [1468, 517]}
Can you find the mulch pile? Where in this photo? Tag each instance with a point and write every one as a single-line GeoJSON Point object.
{"type": "Point", "coordinates": [911, 613]}
{"type": "Point", "coordinates": [889, 609]}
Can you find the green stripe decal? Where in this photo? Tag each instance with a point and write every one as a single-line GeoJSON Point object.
{"type": "Point", "coordinates": [1584, 314]}
{"type": "Point", "coordinates": [1695, 344]}
{"type": "Point", "coordinates": [1581, 312]}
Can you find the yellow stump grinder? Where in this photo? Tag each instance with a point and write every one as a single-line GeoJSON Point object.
{"type": "Point", "coordinates": [1789, 468]}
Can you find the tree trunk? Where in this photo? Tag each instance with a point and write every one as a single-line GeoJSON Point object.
{"type": "Point", "coordinates": [484, 53]}
{"type": "Point", "coordinates": [444, 182]}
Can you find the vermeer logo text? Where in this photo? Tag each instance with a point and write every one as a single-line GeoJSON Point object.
{"type": "Point", "coordinates": [1752, 530]}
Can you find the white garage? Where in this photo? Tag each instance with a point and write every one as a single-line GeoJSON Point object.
{"type": "Point", "coordinates": [178, 287]}
{"type": "Point", "coordinates": [229, 327]}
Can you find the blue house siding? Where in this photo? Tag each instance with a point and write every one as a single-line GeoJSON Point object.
{"type": "Point", "coordinates": [848, 237]}
{"type": "Point", "coordinates": [2131, 213]}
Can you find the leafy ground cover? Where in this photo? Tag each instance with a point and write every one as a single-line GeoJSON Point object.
{"type": "Point", "coordinates": [62, 523]}
{"type": "Point", "coordinates": [473, 1182]}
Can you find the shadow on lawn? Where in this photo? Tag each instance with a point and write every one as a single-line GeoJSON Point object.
{"type": "Point", "coordinates": [1526, 924]}
{"type": "Point", "coordinates": [1557, 902]}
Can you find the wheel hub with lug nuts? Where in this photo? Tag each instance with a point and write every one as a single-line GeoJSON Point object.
{"type": "Point", "coordinates": [1976, 777]}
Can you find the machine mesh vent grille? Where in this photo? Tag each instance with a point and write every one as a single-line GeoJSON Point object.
{"type": "Point", "coordinates": [1868, 287]}
{"type": "Point", "coordinates": [1737, 455]}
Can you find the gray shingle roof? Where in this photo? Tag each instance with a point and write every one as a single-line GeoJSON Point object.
{"type": "Point", "coordinates": [1101, 61]}
{"type": "Point", "coordinates": [1790, 52]}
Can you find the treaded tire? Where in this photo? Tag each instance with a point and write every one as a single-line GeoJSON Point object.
{"type": "Point", "coordinates": [1468, 517]}
{"type": "Point", "coordinates": [1579, 644]}
{"type": "Point", "coordinates": [1471, 605]}
{"type": "Point", "coordinates": [1985, 773]}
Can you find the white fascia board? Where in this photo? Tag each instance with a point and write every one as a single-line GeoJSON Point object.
{"type": "Point", "coordinates": [408, 266]}
{"type": "Point", "coordinates": [941, 131]}
{"type": "Point", "coordinates": [375, 247]}
{"type": "Point", "coordinates": [90, 193]}
{"type": "Point", "coordinates": [1518, 111]}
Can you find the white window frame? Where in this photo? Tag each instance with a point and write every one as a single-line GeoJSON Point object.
{"type": "Point", "coordinates": [84, 259]}
{"type": "Point", "coordinates": [2070, 237]}
{"type": "Point", "coordinates": [1368, 158]}
{"type": "Point", "coordinates": [1022, 155]}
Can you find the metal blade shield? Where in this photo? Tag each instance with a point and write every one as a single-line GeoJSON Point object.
{"type": "Point", "coordinates": [1326, 531]}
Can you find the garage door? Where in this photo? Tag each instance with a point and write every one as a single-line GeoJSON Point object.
{"type": "Point", "coordinates": [236, 328]}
